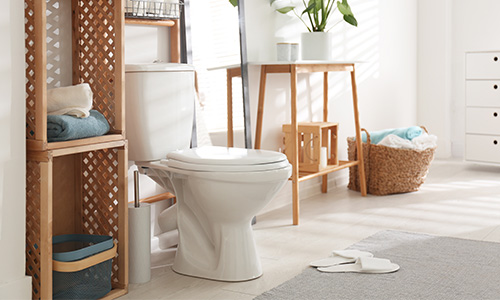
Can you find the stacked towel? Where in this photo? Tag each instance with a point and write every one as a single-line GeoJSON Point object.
{"type": "Point", "coordinates": [71, 100]}
{"type": "Point", "coordinates": [408, 133]}
{"type": "Point", "coordinates": [65, 128]}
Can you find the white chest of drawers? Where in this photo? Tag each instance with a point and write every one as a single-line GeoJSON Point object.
{"type": "Point", "coordinates": [482, 111]}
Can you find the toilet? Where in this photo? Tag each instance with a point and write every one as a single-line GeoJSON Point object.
{"type": "Point", "coordinates": [218, 189]}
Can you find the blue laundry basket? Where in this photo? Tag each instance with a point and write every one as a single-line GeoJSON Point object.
{"type": "Point", "coordinates": [82, 266]}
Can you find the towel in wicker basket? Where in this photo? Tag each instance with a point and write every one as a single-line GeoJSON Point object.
{"type": "Point", "coordinates": [389, 170]}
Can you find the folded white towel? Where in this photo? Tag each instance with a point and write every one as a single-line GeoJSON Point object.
{"type": "Point", "coordinates": [395, 141]}
{"type": "Point", "coordinates": [425, 141]}
{"type": "Point", "coordinates": [73, 100]}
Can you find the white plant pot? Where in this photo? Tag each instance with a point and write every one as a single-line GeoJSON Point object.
{"type": "Point", "coordinates": [316, 45]}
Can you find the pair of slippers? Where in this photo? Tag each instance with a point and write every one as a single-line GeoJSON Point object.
{"type": "Point", "coordinates": [354, 261]}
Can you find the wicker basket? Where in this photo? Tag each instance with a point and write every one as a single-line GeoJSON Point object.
{"type": "Point", "coordinates": [389, 170]}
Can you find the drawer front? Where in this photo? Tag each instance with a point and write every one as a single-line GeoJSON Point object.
{"type": "Point", "coordinates": [485, 93]}
{"type": "Point", "coordinates": [483, 65]}
{"type": "Point", "coordinates": [482, 120]}
{"type": "Point", "coordinates": [482, 148]}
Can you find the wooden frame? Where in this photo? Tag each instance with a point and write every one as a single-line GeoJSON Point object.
{"type": "Point", "coordinates": [293, 69]}
{"type": "Point", "coordinates": [77, 186]}
{"type": "Point", "coordinates": [313, 136]}
{"type": "Point", "coordinates": [87, 50]}
{"type": "Point", "coordinates": [231, 72]}
{"type": "Point", "coordinates": [76, 199]}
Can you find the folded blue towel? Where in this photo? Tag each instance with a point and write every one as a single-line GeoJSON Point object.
{"type": "Point", "coordinates": [66, 128]}
{"type": "Point", "coordinates": [408, 133]}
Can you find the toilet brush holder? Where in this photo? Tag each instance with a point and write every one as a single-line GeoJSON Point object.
{"type": "Point", "coordinates": [139, 222]}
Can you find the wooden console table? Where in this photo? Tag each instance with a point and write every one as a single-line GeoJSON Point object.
{"type": "Point", "coordinates": [293, 68]}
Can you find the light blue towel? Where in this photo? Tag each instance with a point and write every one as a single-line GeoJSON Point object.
{"type": "Point", "coordinates": [408, 133]}
{"type": "Point", "coordinates": [65, 128]}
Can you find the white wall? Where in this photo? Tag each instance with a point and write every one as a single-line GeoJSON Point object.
{"type": "Point", "coordinates": [386, 44]}
{"type": "Point", "coordinates": [448, 29]}
{"type": "Point", "coordinates": [435, 70]}
{"type": "Point", "coordinates": [146, 44]}
{"type": "Point", "coordinates": [13, 283]}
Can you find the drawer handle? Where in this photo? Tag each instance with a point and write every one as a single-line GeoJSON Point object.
{"type": "Point", "coordinates": [495, 142]}
{"type": "Point", "coordinates": [495, 114]}
{"type": "Point", "coordinates": [495, 58]}
{"type": "Point", "coordinates": [495, 86]}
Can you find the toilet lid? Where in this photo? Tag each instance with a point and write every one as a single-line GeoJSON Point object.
{"type": "Point", "coordinates": [222, 159]}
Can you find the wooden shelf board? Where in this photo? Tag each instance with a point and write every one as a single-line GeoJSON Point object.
{"type": "Point", "coordinates": [47, 155]}
{"type": "Point", "coordinates": [114, 293]}
{"type": "Point", "coordinates": [35, 145]}
{"type": "Point", "coordinates": [303, 176]}
{"type": "Point", "coordinates": [136, 21]}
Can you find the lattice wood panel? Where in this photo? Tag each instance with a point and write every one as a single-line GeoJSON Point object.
{"type": "Point", "coordinates": [29, 24]}
{"type": "Point", "coordinates": [33, 240]}
{"type": "Point", "coordinates": [95, 44]}
{"type": "Point", "coordinates": [100, 196]}
{"type": "Point", "coordinates": [58, 18]}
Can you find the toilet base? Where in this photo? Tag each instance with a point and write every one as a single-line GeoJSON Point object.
{"type": "Point", "coordinates": [232, 255]}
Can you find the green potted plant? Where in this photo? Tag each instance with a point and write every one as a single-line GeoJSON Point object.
{"type": "Point", "coordinates": [316, 14]}
{"type": "Point", "coordinates": [316, 44]}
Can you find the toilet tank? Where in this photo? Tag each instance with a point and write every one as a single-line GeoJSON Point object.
{"type": "Point", "coordinates": [159, 101]}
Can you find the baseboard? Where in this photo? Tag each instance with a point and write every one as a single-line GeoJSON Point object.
{"type": "Point", "coordinates": [18, 289]}
{"type": "Point", "coordinates": [307, 189]}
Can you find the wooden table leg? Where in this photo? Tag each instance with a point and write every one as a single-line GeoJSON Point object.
{"type": "Point", "coordinates": [324, 183]}
{"type": "Point", "coordinates": [359, 143]}
{"type": "Point", "coordinates": [260, 108]}
{"type": "Point", "coordinates": [295, 143]}
{"type": "Point", "coordinates": [230, 134]}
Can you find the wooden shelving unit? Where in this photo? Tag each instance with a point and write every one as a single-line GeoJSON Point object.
{"type": "Point", "coordinates": [294, 68]}
{"type": "Point", "coordinates": [76, 186]}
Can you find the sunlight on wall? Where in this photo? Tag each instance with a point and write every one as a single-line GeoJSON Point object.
{"type": "Point", "coordinates": [215, 40]}
{"type": "Point", "coordinates": [361, 44]}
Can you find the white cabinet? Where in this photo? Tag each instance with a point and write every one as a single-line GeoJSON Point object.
{"type": "Point", "coordinates": [483, 65]}
{"type": "Point", "coordinates": [482, 112]}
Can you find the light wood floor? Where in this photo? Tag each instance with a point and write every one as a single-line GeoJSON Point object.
{"type": "Point", "coordinates": [458, 199]}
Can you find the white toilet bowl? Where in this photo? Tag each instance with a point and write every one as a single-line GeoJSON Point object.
{"type": "Point", "coordinates": [218, 191]}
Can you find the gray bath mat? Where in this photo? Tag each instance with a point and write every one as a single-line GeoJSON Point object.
{"type": "Point", "coordinates": [431, 268]}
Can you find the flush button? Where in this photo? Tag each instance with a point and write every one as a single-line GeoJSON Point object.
{"type": "Point", "coordinates": [495, 114]}
{"type": "Point", "coordinates": [495, 142]}
{"type": "Point", "coordinates": [495, 58]}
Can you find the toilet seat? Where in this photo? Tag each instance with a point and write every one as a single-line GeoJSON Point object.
{"type": "Point", "coordinates": [222, 159]}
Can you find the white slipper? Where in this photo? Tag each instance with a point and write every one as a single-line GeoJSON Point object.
{"type": "Point", "coordinates": [364, 265]}
{"type": "Point", "coordinates": [340, 257]}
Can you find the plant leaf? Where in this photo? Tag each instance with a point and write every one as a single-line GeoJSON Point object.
{"type": "Point", "coordinates": [234, 2]}
{"type": "Point", "coordinates": [318, 5]}
{"type": "Point", "coordinates": [309, 9]}
{"type": "Point", "coordinates": [344, 8]}
{"type": "Point", "coordinates": [351, 20]}
{"type": "Point", "coordinates": [285, 10]}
